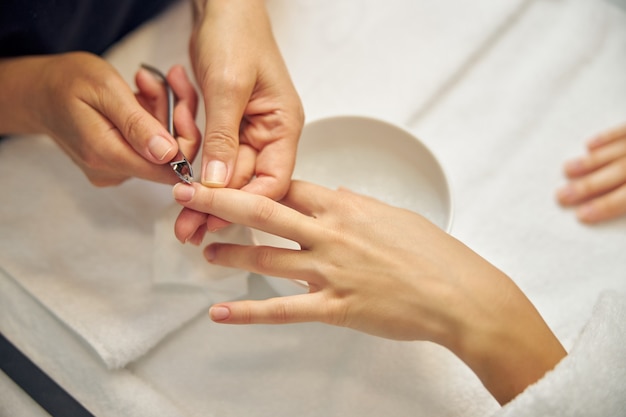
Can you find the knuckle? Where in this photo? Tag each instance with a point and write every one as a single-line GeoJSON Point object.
{"type": "Point", "coordinates": [228, 81]}
{"type": "Point", "coordinates": [100, 178]}
{"type": "Point", "coordinates": [208, 201]}
{"type": "Point", "coordinates": [96, 168]}
{"type": "Point", "coordinates": [336, 313]}
{"type": "Point", "coordinates": [264, 259]}
{"type": "Point", "coordinates": [92, 162]}
{"type": "Point", "coordinates": [132, 124]}
{"type": "Point", "coordinates": [106, 90]}
{"type": "Point", "coordinates": [263, 211]}
{"type": "Point", "coordinates": [222, 139]}
{"type": "Point", "coordinates": [244, 313]}
{"type": "Point", "coordinates": [281, 313]}
{"type": "Point", "coordinates": [334, 238]}
{"type": "Point", "coordinates": [604, 206]}
{"type": "Point", "coordinates": [612, 204]}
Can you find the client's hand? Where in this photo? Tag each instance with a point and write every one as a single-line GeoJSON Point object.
{"type": "Point", "coordinates": [384, 271]}
{"type": "Point", "coordinates": [597, 180]}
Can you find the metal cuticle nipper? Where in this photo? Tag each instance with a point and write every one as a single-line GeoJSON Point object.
{"type": "Point", "coordinates": [179, 164]}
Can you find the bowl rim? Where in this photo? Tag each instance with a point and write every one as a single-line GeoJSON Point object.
{"type": "Point", "coordinates": [394, 125]}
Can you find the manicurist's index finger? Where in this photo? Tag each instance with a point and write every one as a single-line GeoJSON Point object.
{"type": "Point", "coordinates": [252, 210]}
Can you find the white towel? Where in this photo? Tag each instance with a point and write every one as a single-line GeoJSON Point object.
{"type": "Point", "coordinates": [54, 348]}
{"type": "Point", "coordinates": [589, 382]}
{"type": "Point", "coordinates": [98, 258]}
{"type": "Point", "coordinates": [184, 265]}
{"type": "Point", "coordinates": [492, 130]}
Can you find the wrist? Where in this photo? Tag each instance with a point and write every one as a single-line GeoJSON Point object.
{"type": "Point", "coordinates": [202, 8]}
{"type": "Point", "coordinates": [510, 347]}
{"type": "Point", "coordinates": [20, 83]}
{"type": "Point", "coordinates": [228, 37]}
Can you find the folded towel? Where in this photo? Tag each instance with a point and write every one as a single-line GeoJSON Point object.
{"type": "Point", "coordinates": [54, 349]}
{"type": "Point", "coordinates": [99, 259]}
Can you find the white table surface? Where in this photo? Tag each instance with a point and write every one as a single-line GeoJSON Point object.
{"type": "Point", "coordinates": [502, 92]}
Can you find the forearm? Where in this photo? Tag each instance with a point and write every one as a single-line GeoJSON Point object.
{"type": "Point", "coordinates": [201, 7]}
{"type": "Point", "coordinates": [226, 30]}
{"type": "Point", "coordinates": [20, 81]}
{"type": "Point", "coordinates": [510, 347]}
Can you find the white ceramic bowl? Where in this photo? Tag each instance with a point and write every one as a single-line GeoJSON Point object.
{"type": "Point", "coordinates": [371, 157]}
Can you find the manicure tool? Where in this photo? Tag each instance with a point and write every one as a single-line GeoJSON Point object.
{"type": "Point", "coordinates": [180, 165]}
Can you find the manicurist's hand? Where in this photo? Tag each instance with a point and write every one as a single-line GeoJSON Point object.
{"type": "Point", "coordinates": [380, 270]}
{"type": "Point", "coordinates": [109, 131]}
{"type": "Point", "coordinates": [597, 180]}
{"type": "Point", "coordinates": [253, 113]}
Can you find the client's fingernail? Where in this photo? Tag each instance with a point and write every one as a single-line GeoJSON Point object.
{"type": "Point", "coordinates": [596, 140]}
{"type": "Point", "coordinates": [574, 165]}
{"type": "Point", "coordinates": [197, 238]}
{"type": "Point", "coordinates": [159, 147]}
{"type": "Point", "coordinates": [566, 194]}
{"type": "Point", "coordinates": [586, 213]}
{"type": "Point", "coordinates": [214, 174]}
{"type": "Point", "coordinates": [209, 253]}
{"type": "Point", "coordinates": [219, 313]}
{"type": "Point", "coordinates": [183, 192]}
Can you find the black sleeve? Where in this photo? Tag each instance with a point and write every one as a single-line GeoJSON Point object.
{"type": "Point", "coordinates": [33, 27]}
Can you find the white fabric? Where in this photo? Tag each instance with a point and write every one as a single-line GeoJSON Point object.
{"type": "Point", "coordinates": [589, 382]}
{"type": "Point", "coordinates": [307, 370]}
{"type": "Point", "coordinates": [56, 350]}
{"type": "Point", "coordinates": [100, 259]}
{"type": "Point", "coordinates": [176, 265]}
{"type": "Point", "coordinates": [503, 92]}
